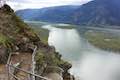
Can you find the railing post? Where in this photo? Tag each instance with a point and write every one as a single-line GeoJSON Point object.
{"type": "Point", "coordinates": [33, 62]}
{"type": "Point", "coordinates": [41, 77]}
{"type": "Point", "coordinates": [8, 67]}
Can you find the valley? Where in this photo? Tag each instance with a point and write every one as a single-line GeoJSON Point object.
{"type": "Point", "coordinates": [103, 38]}
{"type": "Point", "coordinates": [76, 46]}
{"type": "Point", "coordinates": [60, 40]}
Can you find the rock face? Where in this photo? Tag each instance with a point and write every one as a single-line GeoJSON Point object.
{"type": "Point", "coordinates": [3, 54]}
{"type": "Point", "coordinates": [16, 36]}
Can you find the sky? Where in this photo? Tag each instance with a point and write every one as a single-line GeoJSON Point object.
{"type": "Point", "coordinates": [23, 4]}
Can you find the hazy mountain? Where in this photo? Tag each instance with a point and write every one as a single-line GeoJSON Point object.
{"type": "Point", "coordinates": [51, 14]}
{"type": "Point", "coordinates": [96, 12]}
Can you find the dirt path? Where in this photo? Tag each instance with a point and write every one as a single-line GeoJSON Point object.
{"type": "Point", "coordinates": [3, 72]}
{"type": "Point", "coordinates": [23, 61]}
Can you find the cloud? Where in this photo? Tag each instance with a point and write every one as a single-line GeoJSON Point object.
{"type": "Point", "coordinates": [23, 4]}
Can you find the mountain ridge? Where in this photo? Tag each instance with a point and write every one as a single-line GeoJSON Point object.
{"type": "Point", "coordinates": [49, 11]}
{"type": "Point", "coordinates": [93, 13]}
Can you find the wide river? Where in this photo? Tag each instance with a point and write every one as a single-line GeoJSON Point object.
{"type": "Point", "coordinates": [89, 63]}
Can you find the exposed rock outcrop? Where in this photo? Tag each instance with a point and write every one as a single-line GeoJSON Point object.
{"type": "Point", "coordinates": [16, 36]}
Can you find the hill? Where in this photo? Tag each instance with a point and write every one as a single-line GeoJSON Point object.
{"type": "Point", "coordinates": [96, 12]}
{"type": "Point", "coordinates": [58, 14]}
{"type": "Point", "coordinates": [19, 40]}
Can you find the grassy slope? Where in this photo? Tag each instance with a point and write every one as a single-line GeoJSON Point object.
{"type": "Point", "coordinates": [42, 33]}
{"type": "Point", "coordinates": [104, 41]}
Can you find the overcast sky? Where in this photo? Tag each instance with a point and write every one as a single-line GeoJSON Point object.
{"type": "Point", "coordinates": [23, 4]}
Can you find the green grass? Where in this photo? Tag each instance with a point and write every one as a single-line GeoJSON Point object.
{"type": "Point", "coordinates": [5, 41]}
{"type": "Point", "coordinates": [51, 58]}
{"type": "Point", "coordinates": [42, 33]}
{"type": "Point", "coordinates": [104, 41]}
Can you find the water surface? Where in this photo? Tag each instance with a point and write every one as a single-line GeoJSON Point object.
{"type": "Point", "coordinates": [89, 62]}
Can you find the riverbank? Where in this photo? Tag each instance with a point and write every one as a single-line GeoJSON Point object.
{"type": "Point", "coordinates": [43, 33]}
{"type": "Point", "coordinates": [104, 40]}
{"type": "Point", "coordinates": [76, 49]}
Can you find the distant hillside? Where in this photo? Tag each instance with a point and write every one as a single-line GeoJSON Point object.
{"type": "Point", "coordinates": [58, 14]}
{"type": "Point", "coordinates": [96, 12]}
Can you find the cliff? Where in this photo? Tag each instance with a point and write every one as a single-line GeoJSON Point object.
{"type": "Point", "coordinates": [16, 36]}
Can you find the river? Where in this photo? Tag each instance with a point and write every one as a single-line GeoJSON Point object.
{"type": "Point", "coordinates": [89, 62]}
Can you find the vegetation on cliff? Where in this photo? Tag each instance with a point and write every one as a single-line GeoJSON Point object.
{"type": "Point", "coordinates": [16, 36]}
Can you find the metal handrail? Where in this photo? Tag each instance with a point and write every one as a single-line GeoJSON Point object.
{"type": "Point", "coordinates": [33, 62]}
{"type": "Point", "coordinates": [29, 72]}
{"type": "Point", "coordinates": [8, 62]}
{"type": "Point", "coordinates": [14, 76]}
